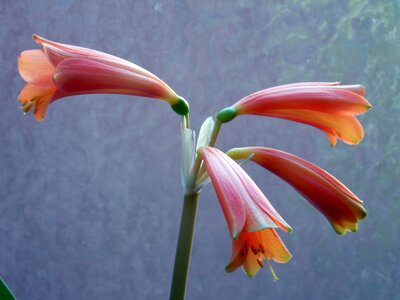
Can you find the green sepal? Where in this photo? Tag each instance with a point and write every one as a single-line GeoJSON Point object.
{"type": "Point", "coordinates": [227, 114]}
{"type": "Point", "coordinates": [181, 107]}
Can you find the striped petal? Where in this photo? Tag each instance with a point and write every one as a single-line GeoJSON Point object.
{"type": "Point", "coordinates": [328, 106]}
{"type": "Point", "coordinates": [244, 205]}
{"type": "Point", "coordinates": [83, 76]}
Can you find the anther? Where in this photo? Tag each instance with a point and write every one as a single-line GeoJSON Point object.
{"type": "Point", "coordinates": [261, 247]}
{"type": "Point", "coordinates": [260, 263]}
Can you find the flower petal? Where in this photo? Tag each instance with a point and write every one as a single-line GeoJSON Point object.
{"type": "Point", "coordinates": [230, 195]}
{"type": "Point", "coordinates": [275, 248]}
{"type": "Point", "coordinates": [346, 128]}
{"type": "Point", "coordinates": [83, 76]}
{"type": "Point", "coordinates": [238, 255]}
{"type": "Point", "coordinates": [299, 84]}
{"type": "Point", "coordinates": [257, 205]}
{"type": "Point", "coordinates": [238, 194]}
{"type": "Point", "coordinates": [205, 133]}
{"type": "Point", "coordinates": [41, 106]}
{"type": "Point", "coordinates": [34, 65]}
{"type": "Point", "coordinates": [251, 247]}
{"type": "Point", "coordinates": [339, 205]}
{"type": "Point", "coordinates": [328, 106]}
{"type": "Point", "coordinates": [188, 157]}
{"type": "Point", "coordinates": [250, 265]}
{"type": "Point", "coordinates": [58, 52]}
{"type": "Point", "coordinates": [333, 100]}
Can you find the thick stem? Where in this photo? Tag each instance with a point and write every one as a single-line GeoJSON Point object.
{"type": "Point", "coordinates": [184, 247]}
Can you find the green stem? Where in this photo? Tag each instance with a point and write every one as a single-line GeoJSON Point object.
{"type": "Point", "coordinates": [213, 139]}
{"type": "Point", "coordinates": [214, 133]}
{"type": "Point", "coordinates": [184, 247]}
{"type": "Point", "coordinates": [187, 120]}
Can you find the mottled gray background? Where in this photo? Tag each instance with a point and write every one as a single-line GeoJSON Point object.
{"type": "Point", "coordinates": [90, 198]}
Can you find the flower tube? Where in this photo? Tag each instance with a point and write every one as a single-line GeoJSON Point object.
{"type": "Point", "coordinates": [340, 206]}
{"type": "Point", "coordinates": [59, 70]}
{"type": "Point", "coordinates": [330, 107]}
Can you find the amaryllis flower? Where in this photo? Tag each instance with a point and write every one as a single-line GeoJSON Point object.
{"type": "Point", "coordinates": [250, 216]}
{"type": "Point", "coordinates": [340, 206]}
{"type": "Point", "coordinates": [60, 70]}
{"type": "Point", "coordinates": [330, 107]}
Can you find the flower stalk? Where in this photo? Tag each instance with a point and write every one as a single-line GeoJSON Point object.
{"type": "Point", "coordinates": [184, 247]}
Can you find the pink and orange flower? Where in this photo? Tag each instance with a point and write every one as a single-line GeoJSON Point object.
{"type": "Point", "coordinates": [328, 106]}
{"type": "Point", "coordinates": [60, 70]}
{"type": "Point", "coordinates": [340, 206]}
{"type": "Point", "coordinates": [251, 218]}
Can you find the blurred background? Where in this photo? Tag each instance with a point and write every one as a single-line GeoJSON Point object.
{"type": "Point", "coordinates": [90, 199]}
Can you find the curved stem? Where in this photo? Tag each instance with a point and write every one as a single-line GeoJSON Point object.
{"type": "Point", "coordinates": [187, 117]}
{"type": "Point", "coordinates": [213, 139]}
{"type": "Point", "coordinates": [214, 133]}
{"type": "Point", "coordinates": [184, 247]}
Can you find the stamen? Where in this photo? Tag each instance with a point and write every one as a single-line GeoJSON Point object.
{"type": "Point", "coordinates": [260, 263]}
{"type": "Point", "coordinates": [261, 247]}
{"type": "Point", "coordinates": [27, 107]}
{"type": "Point", "coordinates": [272, 271]}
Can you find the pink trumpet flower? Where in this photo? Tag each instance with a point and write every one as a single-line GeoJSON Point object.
{"type": "Point", "coordinates": [328, 106]}
{"type": "Point", "coordinates": [251, 218]}
{"type": "Point", "coordinates": [60, 70]}
{"type": "Point", "coordinates": [340, 206]}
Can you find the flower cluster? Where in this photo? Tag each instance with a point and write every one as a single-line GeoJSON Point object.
{"type": "Point", "coordinates": [327, 106]}
{"type": "Point", "coordinates": [59, 70]}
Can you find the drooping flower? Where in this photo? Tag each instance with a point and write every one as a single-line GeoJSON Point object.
{"type": "Point", "coordinates": [60, 70]}
{"type": "Point", "coordinates": [340, 206]}
{"type": "Point", "coordinates": [330, 107]}
{"type": "Point", "coordinates": [251, 218]}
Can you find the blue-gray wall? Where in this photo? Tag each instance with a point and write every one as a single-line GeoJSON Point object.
{"type": "Point", "coordinates": [90, 198]}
